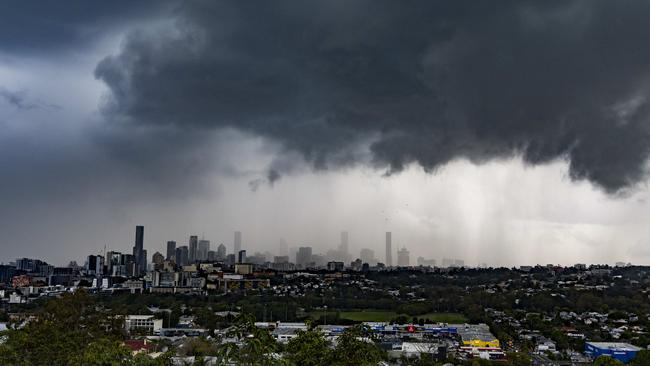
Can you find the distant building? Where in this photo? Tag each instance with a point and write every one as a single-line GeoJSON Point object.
{"type": "Point", "coordinates": [241, 256]}
{"type": "Point", "coordinates": [95, 265]}
{"type": "Point", "coordinates": [231, 259]}
{"type": "Point", "coordinates": [448, 262]}
{"type": "Point", "coordinates": [367, 256]}
{"type": "Point", "coordinates": [204, 248]}
{"type": "Point", "coordinates": [335, 266]}
{"type": "Point", "coordinates": [158, 259]}
{"type": "Point", "coordinates": [389, 249]}
{"type": "Point", "coordinates": [303, 257]}
{"type": "Point", "coordinates": [237, 243]}
{"type": "Point", "coordinates": [281, 259]}
{"type": "Point", "coordinates": [193, 250]}
{"type": "Point", "coordinates": [6, 273]}
{"type": "Point", "coordinates": [221, 252]}
{"type": "Point", "coordinates": [171, 250]}
{"type": "Point", "coordinates": [344, 246]}
{"type": "Point", "coordinates": [182, 255]}
{"type": "Point", "coordinates": [426, 262]}
{"type": "Point", "coordinates": [139, 254]}
{"type": "Point", "coordinates": [403, 257]}
{"type": "Point", "coordinates": [212, 256]}
{"type": "Point", "coordinates": [243, 268]}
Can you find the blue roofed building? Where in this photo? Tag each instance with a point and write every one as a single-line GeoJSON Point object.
{"type": "Point", "coordinates": [623, 352]}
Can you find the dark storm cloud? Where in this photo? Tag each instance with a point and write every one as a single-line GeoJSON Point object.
{"type": "Point", "coordinates": [50, 25]}
{"type": "Point", "coordinates": [21, 100]}
{"type": "Point", "coordinates": [426, 82]}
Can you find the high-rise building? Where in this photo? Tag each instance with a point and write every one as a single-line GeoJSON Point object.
{"type": "Point", "coordinates": [171, 250]}
{"type": "Point", "coordinates": [95, 265]}
{"type": "Point", "coordinates": [367, 256]}
{"type": "Point", "coordinates": [182, 255]}
{"type": "Point", "coordinates": [237, 244]}
{"type": "Point", "coordinates": [303, 257]}
{"type": "Point", "coordinates": [241, 256]}
{"type": "Point", "coordinates": [403, 257]}
{"type": "Point", "coordinates": [157, 259]}
{"type": "Point", "coordinates": [139, 255]}
{"type": "Point", "coordinates": [204, 248]}
{"type": "Point", "coordinates": [284, 247]}
{"type": "Point", "coordinates": [194, 246]}
{"type": "Point", "coordinates": [212, 256]}
{"type": "Point", "coordinates": [344, 245]}
{"type": "Point", "coordinates": [221, 252]}
{"type": "Point", "coordinates": [389, 249]}
{"type": "Point", "coordinates": [426, 262]}
{"type": "Point", "coordinates": [281, 259]}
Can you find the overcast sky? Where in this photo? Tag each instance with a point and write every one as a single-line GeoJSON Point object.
{"type": "Point", "coordinates": [506, 133]}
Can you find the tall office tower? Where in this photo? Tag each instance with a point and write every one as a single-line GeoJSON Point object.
{"type": "Point", "coordinates": [241, 256]}
{"type": "Point", "coordinates": [138, 251]}
{"type": "Point", "coordinates": [171, 250]}
{"type": "Point", "coordinates": [157, 259]}
{"type": "Point", "coordinates": [389, 249]}
{"type": "Point", "coordinates": [221, 252]}
{"type": "Point", "coordinates": [212, 256]}
{"type": "Point", "coordinates": [182, 255]}
{"type": "Point", "coordinates": [303, 257]}
{"type": "Point", "coordinates": [204, 248]}
{"type": "Point", "coordinates": [95, 265]}
{"type": "Point", "coordinates": [367, 256]}
{"type": "Point", "coordinates": [403, 257]}
{"type": "Point", "coordinates": [284, 247]}
{"type": "Point", "coordinates": [194, 244]}
{"type": "Point", "coordinates": [344, 246]}
{"type": "Point", "coordinates": [237, 246]}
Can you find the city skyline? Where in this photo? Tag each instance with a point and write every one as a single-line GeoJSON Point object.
{"type": "Point", "coordinates": [504, 133]}
{"type": "Point", "coordinates": [299, 255]}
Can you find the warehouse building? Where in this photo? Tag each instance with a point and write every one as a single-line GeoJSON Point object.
{"type": "Point", "coordinates": [477, 335]}
{"type": "Point", "coordinates": [623, 352]}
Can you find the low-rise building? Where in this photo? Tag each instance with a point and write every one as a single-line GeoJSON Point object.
{"type": "Point", "coordinates": [147, 324]}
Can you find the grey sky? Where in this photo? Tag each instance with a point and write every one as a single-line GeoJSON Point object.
{"type": "Point", "coordinates": [511, 132]}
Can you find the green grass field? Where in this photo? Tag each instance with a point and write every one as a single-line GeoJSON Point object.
{"type": "Point", "coordinates": [384, 316]}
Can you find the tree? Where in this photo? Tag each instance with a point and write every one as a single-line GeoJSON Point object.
{"type": "Point", "coordinates": [61, 331]}
{"type": "Point", "coordinates": [309, 348]}
{"type": "Point", "coordinates": [105, 352]}
{"type": "Point", "coordinates": [642, 358]}
{"type": "Point", "coordinates": [607, 361]}
{"type": "Point", "coordinates": [518, 359]}
{"type": "Point", "coordinates": [258, 348]}
{"type": "Point", "coordinates": [354, 347]}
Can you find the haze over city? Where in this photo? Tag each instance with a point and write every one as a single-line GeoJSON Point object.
{"type": "Point", "coordinates": [509, 133]}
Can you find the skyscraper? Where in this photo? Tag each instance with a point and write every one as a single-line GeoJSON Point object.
{"type": "Point", "coordinates": [171, 250]}
{"type": "Point", "coordinates": [181, 255]}
{"type": "Point", "coordinates": [237, 246]}
{"type": "Point", "coordinates": [241, 256]}
{"type": "Point", "coordinates": [367, 256]}
{"type": "Point", "coordinates": [157, 259]}
{"type": "Point", "coordinates": [204, 248]}
{"type": "Point", "coordinates": [221, 252]}
{"type": "Point", "coordinates": [344, 246]}
{"type": "Point", "coordinates": [138, 251]}
{"type": "Point", "coordinates": [194, 244]}
{"type": "Point", "coordinates": [303, 257]}
{"type": "Point", "coordinates": [389, 249]}
{"type": "Point", "coordinates": [403, 257]}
